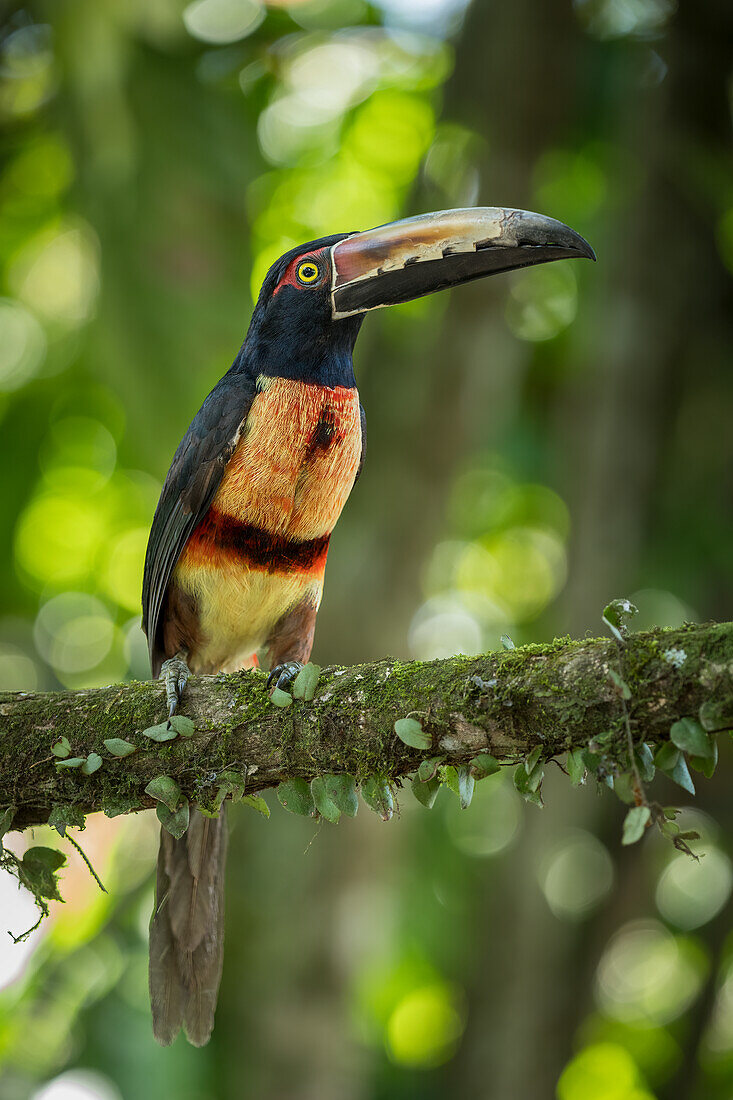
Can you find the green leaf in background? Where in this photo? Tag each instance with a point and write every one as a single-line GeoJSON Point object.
{"type": "Point", "coordinates": [72, 762]}
{"type": "Point", "coordinates": [687, 734]}
{"type": "Point", "coordinates": [411, 733]}
{"type": "Point", "coordinates": [484, 765]}
{"type": "Point", "coordinates": [615, 615]}
{"type": "Point", "coordinates": [325, 805]}
{"type": "Point", "coordinates": [118, 747]}
{"type": "Point", "coordinates": [576, 767]}
{"type": "Point", "coordinates": [176, 822]}
{"type": "Point", "coordinates": [295, 796]}
{"type": "Point", "coordinates": [341, 790]}
{"type": "Point", "coordinates": [161, 732]}
{"type": "Point", "coordinates": [465, 786]}
{"type": "Point", "coordinates": [183, 726]}
{"type": "Point", "coordinates": [164, 789]}
{"type": "Point", "coordinates": [635, 823]}
{"type": "Point", "coordinates": [257, 803]}
{"type": "Point", "coordinates": [61, 747]}
{"type": "Point", "coordinates": [38, 869]}
{"type": "Point", "coordinates": [62, 816]}
{"type": "Point", "coordinates": [426, 793]}
{"type": "Point", "coordinates": [377, 794]}
{"type": "Point", "coordinates": [92, 764]}
{"type": "Point", "coordinates": [280, 698]}
{"type": "Point", "coordinates": [621, 684]}
{"type": "Point", "coordinates": [306, 682]}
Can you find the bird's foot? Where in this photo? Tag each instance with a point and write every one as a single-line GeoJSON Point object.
{"type": "Point", "coordinates": [175, 672]}
{"type": "Point", "coordinates": [282, 676]}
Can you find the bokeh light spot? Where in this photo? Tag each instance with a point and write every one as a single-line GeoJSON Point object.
{"type": "Point", "coordinates": [690, 893]}
{"type": "Point", "coordinates": [221, 21]}
{"type": "Point", "coordinates": [576, 875]}
{"type": "Point", "coordinates": [425, 1026]}
{"type": "Point", "coordinates": [22, 345]}
{"type": "Point", "coordinates": [604, 1071]}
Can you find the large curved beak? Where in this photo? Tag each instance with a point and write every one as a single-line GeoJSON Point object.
{"type": "Point", "coordinates": [417, 256]}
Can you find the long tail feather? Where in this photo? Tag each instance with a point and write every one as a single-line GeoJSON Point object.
{"type": "Point", "coordinates": [187, 930]}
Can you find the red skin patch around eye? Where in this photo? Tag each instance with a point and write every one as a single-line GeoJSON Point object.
{"type": "Point", "coordinates": [323, 260]}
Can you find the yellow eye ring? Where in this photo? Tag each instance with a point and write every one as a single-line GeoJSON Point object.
{"type": "Point", "coordinates": [308, 272]}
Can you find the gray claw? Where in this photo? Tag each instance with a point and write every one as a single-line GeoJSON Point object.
{"type": "Point", "coordinates": [282, 676]}
{"type": "Point", "coordinates": [175, 672]}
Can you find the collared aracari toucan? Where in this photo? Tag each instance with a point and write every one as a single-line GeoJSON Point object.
{"type": "Point", "coordinates": [237, 550]}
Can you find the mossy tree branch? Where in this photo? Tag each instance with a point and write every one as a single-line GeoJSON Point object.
{"type": "Point", "coordinates": [552, 697]}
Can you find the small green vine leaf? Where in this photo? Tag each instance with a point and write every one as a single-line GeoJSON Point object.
{"type": "Point", "coordinates": [341, 789]}
{"type": "Point", "coordinates": [688, 735]}
{"type": "Point", "coordinates": [92, 764]}
{"type": "Point", "coordinates": [449, 776]}
{"type": "Point", "coordinates": [295, 795]}
{"type": "Point", "coordinates": [6, 821]}
{"type": "Point", "coordinates": [645, 761]}
{"type": "Point", "coordinates": [232, 783]}
{"type": "Point", "coordinates": [411, 733]}
{"type": "Point", "coordinates": [484, 765]}
{"type": "Point", "coordinates": [671, 761]}
{"type": "Point", "coordinates": [280, 698]}
{"type": "Point", "coordinates": [183, 725]}
{"type": "Point", "coordinates": [256, 802]}
{"type": "Point", "coordinates": [576, 767]}
{"type": "Point", "coordinates": [528, 785]}
{"type": "Point", "coordinates": [61, 748]}
{"type": "Point", "coordinates": [615, 615]}
{"type": "Point", "coordinates": [624, 788]}
{"type": "Point", "coordinates": [506, 642]}
{"type": "Point", "coordinates": [161, 732]}
{"type": "Point", "coordinates": [176, 823]}
{"type": "Point", "coordinates": [532, 759]}
{"type": "Point", "coordinates": [166, 790]}
{"type": "Point", "coordinates": [118, 747]}
{"type": "Point", "coordinates": [114, 805]}
{"type": "Point", "coordinates": [37, 871]}
{"type": "Point", "coordinates": [635, 823]}
{"type": "Point", "coordinates": [714, 717]}
{"type": "Point", "coordinates": [62, 816]}
{"type": "Point", "coordinates": [72, 762]}
{"type": "Point", "coordinates": [306, 682]}
{"type": "Point", "coordinates": [325, 805]}
{"type": "Point", "coordinates": [377, 794]}
{"type": "Point", "coordinates": [705, 764]}
{"type": "Point", "coordinates": [428, 768]}
{"type": "Point", "coordinates": [620, 683]}
{"type": "Point", "coordinates": [465, 786]}
{"type": "Point", "coordinates": [426, 793]}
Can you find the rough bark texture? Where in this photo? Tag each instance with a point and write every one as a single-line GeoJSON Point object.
{"type": "Point", "coordinates": [558, 696]}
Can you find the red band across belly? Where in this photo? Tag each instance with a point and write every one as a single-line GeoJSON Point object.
{"type": "Point", "coordinates": [219, 535]}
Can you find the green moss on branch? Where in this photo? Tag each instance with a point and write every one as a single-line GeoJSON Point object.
{"type": "Point", "coordinates": [557, 696]}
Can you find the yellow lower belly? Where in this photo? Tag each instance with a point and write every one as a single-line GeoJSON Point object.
{"type": "Point", "coordinates": [238, 609]}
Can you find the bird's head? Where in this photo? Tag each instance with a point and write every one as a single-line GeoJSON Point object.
{"type": "Point", "coordinates": [314, 298]}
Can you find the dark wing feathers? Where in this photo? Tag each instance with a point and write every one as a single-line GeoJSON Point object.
{"type": "Point", "coordinates": [190, 485]}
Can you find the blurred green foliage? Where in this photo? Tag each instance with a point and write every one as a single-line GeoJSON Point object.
{"type": "Point", "coordinates": [537, 447]}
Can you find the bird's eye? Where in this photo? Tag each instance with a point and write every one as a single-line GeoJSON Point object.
{"type": "Point", "coordinates": [308, 272]}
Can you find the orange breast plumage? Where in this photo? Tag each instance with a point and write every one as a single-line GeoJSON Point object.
{"type": "Point", "coordinates": [287, 481]}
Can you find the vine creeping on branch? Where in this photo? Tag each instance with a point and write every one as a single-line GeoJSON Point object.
{"type": "Point", "coordinates": [65, 754]}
